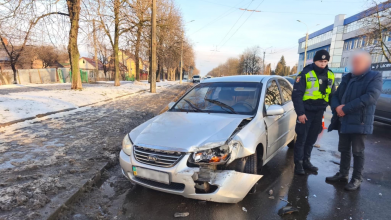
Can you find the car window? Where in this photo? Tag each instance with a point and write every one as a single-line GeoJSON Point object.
{"type": "Point", "coordinates": [387, 87]}
{"type": "Point", "coordinates": [272, 96]}
{"type": "Point", "coordinates": [291, 80]}
{"type": "Point", "coordinates": [221, 97]}
{"type": "Point", "coordinates": [286, 90]}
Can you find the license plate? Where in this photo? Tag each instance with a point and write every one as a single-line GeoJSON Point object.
{"type": "Point", "coordinates": [157, 176]}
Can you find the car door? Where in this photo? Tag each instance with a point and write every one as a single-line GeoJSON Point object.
{"type": "Point", "coordinates": [288, 120]}
{"type": "Point", "coordinates": [383, 110]}
{"type": "Point", "coordinates": [273, 123]}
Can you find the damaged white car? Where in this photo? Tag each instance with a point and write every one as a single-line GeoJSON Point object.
{"type": "Point", "coordinates": [213, 142]}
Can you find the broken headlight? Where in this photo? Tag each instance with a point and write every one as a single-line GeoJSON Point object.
{"type": "Point", "coordinates": [214, 155]}
{"type": "Point", "coordinates": [127, 145]}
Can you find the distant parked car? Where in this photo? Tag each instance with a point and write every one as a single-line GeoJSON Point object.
{"type": "Point", "coordinates": [290, 80]}
{"type": "Point", "coordinates": [196, 79]}
{"type": "Point", "coordinates": [383, 107]}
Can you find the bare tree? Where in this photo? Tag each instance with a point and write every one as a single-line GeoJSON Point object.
{"type": "Point", "coordinates": [375, 29]}
{"type": "Point", "coordinates": [250, 62]}
{"type": "Point", "coordinates": [17, 22]}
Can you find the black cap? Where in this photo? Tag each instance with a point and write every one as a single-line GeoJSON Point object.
{"type": "Point", "coordinates": [321, 55]}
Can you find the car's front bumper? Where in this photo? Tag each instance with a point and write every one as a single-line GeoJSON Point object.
{"type": "Point", "coordinates": [232, 186]}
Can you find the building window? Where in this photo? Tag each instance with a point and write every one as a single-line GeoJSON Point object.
{"type": "Point", "coordinates": [355, 43]}
{"type": "Point", "coordinates": [342, 62]}
{"type": "Point", "coordinates": [84, 61]}
{"type": "Point", "coordinates": [350, 45]}
{"type": "Point", "coordinates": [359, 43]}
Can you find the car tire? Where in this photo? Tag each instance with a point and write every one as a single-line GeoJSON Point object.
{"type": "Point", "coordinates": [251, 165]}
{"type": "Point", "coordinates": [293, 142]}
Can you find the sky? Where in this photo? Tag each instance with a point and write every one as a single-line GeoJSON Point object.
{"type": "Point", "coordinates": [221, 30]}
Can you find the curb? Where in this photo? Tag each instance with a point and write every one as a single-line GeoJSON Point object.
{"type": "Point", "coordinates": [66, 110]}
{"type": "Point", "coordinates": [93, 180]}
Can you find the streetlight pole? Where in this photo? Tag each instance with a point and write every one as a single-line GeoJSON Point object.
{"type": "Point", "coordinates": [306, 43]}
{"type": "Point", "coordinates": [153, 49]}
{"type": "Point", "coordinates": [181, 67]}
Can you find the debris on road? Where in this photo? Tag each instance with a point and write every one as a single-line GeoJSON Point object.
{"type": "Point", "coordinates": [321, 150]}
{"type": "Point", "coordinates": [244, 209]}
{"type": "Point", "coordinates": [271, 197]}
{"type": "Point", "coordinates": [314, 195]}
{"type": "Point", "coordinates": [380, 194]}
{"type": "Point", "coordinates": [270, 192]}
{"type": "Point", "coordinates": [287, 210]}
{"type": "Point", "coordinates": [285, 201]}
{"type": "Point", "coordinates": [181, 214]}
{"type": "Point", "coordinates": [317, 145]}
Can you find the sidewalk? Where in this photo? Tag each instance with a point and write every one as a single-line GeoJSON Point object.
{"type": "Point", "coordinates": [19, 102]}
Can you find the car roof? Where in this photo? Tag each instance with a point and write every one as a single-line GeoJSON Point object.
{"type": "Point", "coordinates": [242, 78]}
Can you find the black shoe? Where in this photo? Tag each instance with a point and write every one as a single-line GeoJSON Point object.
{"type": "Point", "coordinates": [308, 166]}
{"type": "Point", "coordinates": [353, 184]}
{"type": "Point", "coordinates": [299, 168]}
{"type": "Point", "coordinates": [337, 178]}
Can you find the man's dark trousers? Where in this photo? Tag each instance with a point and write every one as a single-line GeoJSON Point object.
{"type": "Point", "coordinates": [307, 134]}
{"type": "Point", "coordinates": [347, 144]}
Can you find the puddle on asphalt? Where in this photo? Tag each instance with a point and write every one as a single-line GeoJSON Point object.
{"type": "Point", "coordinates": [107, 188]}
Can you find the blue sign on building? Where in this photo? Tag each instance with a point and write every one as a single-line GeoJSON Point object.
{"type": "Point", "coordinates": [340, 70]}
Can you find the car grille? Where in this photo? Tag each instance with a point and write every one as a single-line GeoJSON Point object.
{"type": "Point", "coordinates": [171, 186]}
{"type": "Point", "coordinates": [155, 157]}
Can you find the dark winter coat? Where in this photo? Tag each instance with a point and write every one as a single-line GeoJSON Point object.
{"type": "Point", "coordinates": [360, 103]}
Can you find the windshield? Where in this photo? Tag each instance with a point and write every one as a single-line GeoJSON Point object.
{"type": "Point", "coordinates": [221, 97]}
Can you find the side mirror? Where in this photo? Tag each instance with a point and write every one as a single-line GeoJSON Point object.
{"type": "Point", "coordinates": [170, 105]}
{"type": "Point", "coordinates": [274, 110]}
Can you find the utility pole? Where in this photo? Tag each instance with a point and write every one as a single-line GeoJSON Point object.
{"type": "Point", "coordinates": [263, 60]}
{"type": "Point", "coordinates": [95, 50]}
{"type": "Point", "coordinates": [305, 49]}
{"type": "Point", "coordinates": [306, 43]}
{"type": "Point", "coordinates": [153, 49]}
{"type": "Point", "coordinates": [181, 67]}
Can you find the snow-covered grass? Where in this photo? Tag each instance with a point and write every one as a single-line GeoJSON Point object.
{"type": "Point", "coordinates": [14, 106]}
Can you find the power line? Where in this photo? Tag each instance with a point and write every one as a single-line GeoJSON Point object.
{"type": "Point", "coordinates": [236, 22]}
{"type": "Point", "coordinates": [226, 13]}
{"type": "Point", "coordinates": [242, 23]}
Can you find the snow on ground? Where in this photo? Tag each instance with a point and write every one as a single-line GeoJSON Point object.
{"type": "Point", "coordinates": [14, 106]}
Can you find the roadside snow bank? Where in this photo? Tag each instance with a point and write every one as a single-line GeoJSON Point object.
{"type": "Point", "coordinates": [15, 106]}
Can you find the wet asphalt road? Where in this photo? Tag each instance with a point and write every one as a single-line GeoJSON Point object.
{"type": "Point", "coordinates": [314, 198]}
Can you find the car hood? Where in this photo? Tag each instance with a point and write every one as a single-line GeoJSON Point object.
{"type": "Point", "coordinates": [186, 132]}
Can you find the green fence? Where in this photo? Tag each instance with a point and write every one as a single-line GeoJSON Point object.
{"type": "Point", "coordinates": [129, 78]}
{"type": "Point", "coordinates": [83, 76]}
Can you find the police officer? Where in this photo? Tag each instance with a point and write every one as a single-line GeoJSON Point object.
{"type": "Point", "coordinates": [311, 95]}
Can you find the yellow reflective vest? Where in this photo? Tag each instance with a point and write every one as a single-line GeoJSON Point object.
{"type": "Point", "coordinates": [312, 86]}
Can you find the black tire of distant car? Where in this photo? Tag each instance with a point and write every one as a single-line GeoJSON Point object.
{"type": "Point", "coordinates": [293, 142]}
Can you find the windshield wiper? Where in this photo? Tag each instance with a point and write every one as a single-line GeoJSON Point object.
{"type": "Point", "coordinates": [222, 105]}
{"type": "Point", "coordinates": [191, 105]}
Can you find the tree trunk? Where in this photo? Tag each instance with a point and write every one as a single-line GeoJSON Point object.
{"type": "Point", "coordinates": [158, 71]}
{"type": "Point", "coordinates": [95, 51]}
{"type": "Point", "coordinates": [116, 39]}
{"type": "Point", "coordinates": [153, 48]}
{"type": "Point", "coordinates": [14, 71]}
{"type": "Point", "coordinates": [73, 51]}
{"type": "Point", "coordinates": [137, 52]}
